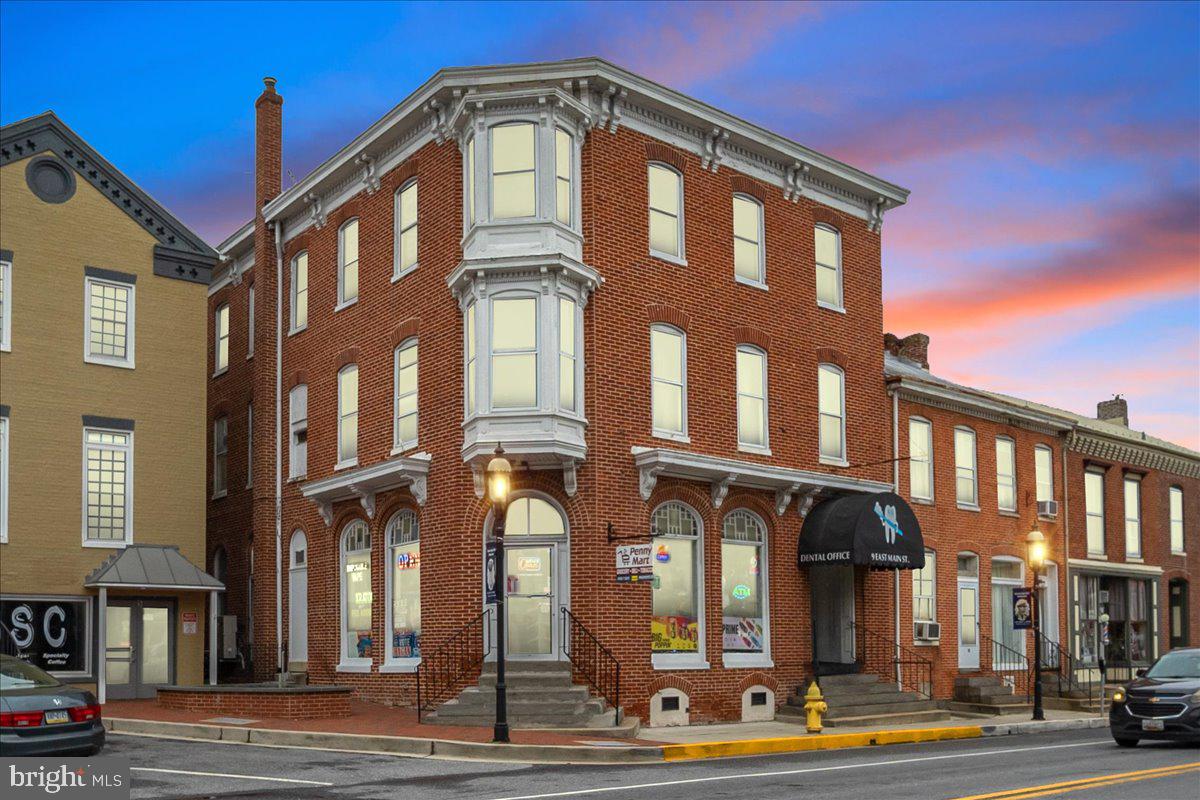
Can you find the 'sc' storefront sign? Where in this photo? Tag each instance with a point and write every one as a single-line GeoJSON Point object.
{"type": "Point", "coordinates": [54, 633]}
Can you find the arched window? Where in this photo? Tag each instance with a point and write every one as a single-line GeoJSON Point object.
{"type": "Point", "coordinates": [668, 382]}
{"type": "Point", "coordinates": [348, 263]}
{"type": "Point", "coordinates": [533, 516]}
{"type": "Point", "coordinates": [356, 597]}
{"type": "Point", "coordinates": [514, 167]}
{"type": "Point", "coordinates": [404, 422]}
{"type": "Point", "coordinates": [828, 246]}
{"type": "Point", "coordinates": [831, 399]}
{"type": "Point", "coordinates": [751, 397]}
{"type": "Point", "coordinates": [666, 211]}
{"type": "Point", "coordinates": [347, 416]}
{"type": "Point", "coordinates": [676, 627]}
{"type": "Point", "coordinates": [405, 232]}
{"type": "Point", "coordinates": [404, 586]}
{"type": "Point", "coordinates": [749, 255]}
{"type": "Point", "coordinates": [298, 550]}
{"type": "Point", "coordinates": [743, 584]}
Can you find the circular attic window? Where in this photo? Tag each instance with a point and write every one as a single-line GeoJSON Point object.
{"type": "Point", "coordinates": [50, 179]}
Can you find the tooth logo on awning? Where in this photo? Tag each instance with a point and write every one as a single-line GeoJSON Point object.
{"type": "Point", "coordinates": [891, 528]}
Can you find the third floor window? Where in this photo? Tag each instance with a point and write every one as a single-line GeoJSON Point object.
{"type": "Point", "coordinates": [348, 263]}
{"type": "Point", "coordinates": [666, 212]}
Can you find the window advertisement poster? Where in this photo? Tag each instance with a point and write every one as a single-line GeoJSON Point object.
{"type": "Point", "coordinates": [635, 563]}
{"type": "Point", "coordinates": [53, 633]}
{"type": "Point", "coordinates": [1022, 608]}
{"type": "Point", "coordinates": [674, 634]}
{"type": "Point", "coordinates": [742, 634]}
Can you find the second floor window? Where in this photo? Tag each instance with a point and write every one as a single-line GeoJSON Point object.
{"type": "Point", "coordinates": [562, 176]}
{"type": "Point", "coordinates": [1133, 517]}
{"type": "Point", "coordinates": [1043, 465]}
{"type": "Point", "coordinates": [828, 246]}
{"type": "Point", "coordinates": [250, 322]}
{"type": "Point", "coordinates": [249, 446]}
{"type": "Point", "coordinates": [348, 263]}
{"type": "Point", "coordinates": [1093, 504]}
{"type": "Point", "coordinates": [110, 323]}
{"type": "Point", "coordinates": [220, 476]}
{"type": "Point", "coordinates": [298, 432]}
{"type": "Point", "coordinates": [752, 397]}
{"type": "Point", "coordinates": [405, 423]}
{"type": "Point", "coordinates": [1175, 508]}
{"type": "Point", "coordinates": [966, 485]}
{"type": "Point", "coordinates": [514, 352]}
{"type": "Point", "coordinates": [221, 345]}
{"type": "Point", "coordinates": [748, 255]}
{"type": "Point", "coordinates": [348, 416]}
{"type": "Point", "coordinates": [406, 228]}
{"type": "Point", "coordinates": [108, 486]}
{"type": "Point", "coordinates": [1006, 474]}
{"type": "Point", "coordinates": [831, 400]}
{"type": "Point", "coordinates": [666, 211]}
{"type": "Point", "coordinates": [668, 379]}
{"type": "Point", "coordinates": [566, 354]}
{"type": "Point", "coordinates": [920, 458]}
{"type": "Point", "coordinates": [469, 377]}
{"type": "Point", "coordinates": [514, 160]}
{"type": "Point", "coordinates": [299, 297]}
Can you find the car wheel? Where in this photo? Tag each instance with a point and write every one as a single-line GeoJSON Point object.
{"type": "Point", "coordinates": [1123, 742]}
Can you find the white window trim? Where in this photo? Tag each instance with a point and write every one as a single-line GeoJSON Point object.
{"type": "Point", "coordinates": [398, 445]}
{"type": "Point", "coordinates": [761, 281]}
{"type": "Point", "coordinates": [293, 427]}
{"type": "Point", "coordinates": [932, 490]}
{"type": "Point", "coordinates": [1013, 445]}
{"type": "Point", "coordinates": [681, 225]}
{"type": "Point", "coordinates": [399, 272]}
{"type": "Point", "coordinates": [345, 663]}
{"type": "Point", "coordinates": [675, 436]}
{"type": "Point", "coordinates": [223, 492]}
{"type": "Point", "coordinates": [1141, 545]}
{"type": "Point", "coordinates": [1041, 448]}
{"type": "Point", "coordinates": [750, 447]}
{"type": "Point", "coordinates": [520, 294]}
{"type": "Point", "coordinates": [1099, 515]}
{"type": "Point", "coordinates": [342, 302]}
{"type": "Point", "coordinates": [839, 306]}
{"type": "Point", "coordinates": [350, 462]}
{"type": "Point", "coordinates": [577, 383]}
{"type": "Point", "coordinates": [130, 327]}
{"type": "Point", "coordinates": [836, 461]}
{"type": "Point", "coordinates": [249, 445]}
{"type": "Point", "coordinates": [218, 368]}
{"type": "Point", "coordinates": [390, 664]}
{"type": "Point", "coordinates": [537, 171]}
{"type": "Point", "coordinates": [250, 322]}
{"type": "Point", "coordinates": [739, 660]}
{"type": "Point", "coordinates": [4, 480]}
{"type": "Point", "coordinates": [966, 506]}
{"type": "Point", "coordinates": [107, 543]}
{"type": "Point", "coordinates": [1172, 491]}
{"type": "Point", "coordinates": [6, 272]}
{"type": "Point", "coordinates": [698, 659]}
{"type": "Point", "coordinates": [293, 295]}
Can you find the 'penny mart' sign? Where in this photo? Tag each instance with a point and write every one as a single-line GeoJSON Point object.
{"type": "Point", "coordinates": [634, 563]}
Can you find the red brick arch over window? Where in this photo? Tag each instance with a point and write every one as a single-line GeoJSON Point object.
{"type": "Point", "coordinates": [296, 245]}
{"type": "Point", "coordinates": [660, 312]}
{"type": "Point", "coordinates": [348, 356]}
{"type": "Point", "coordinates": [828, 217]}
{"type": "Point", "coordinates": [350, 209]}
{"type": "Point", "coordinates": [657, 151]}
{"type": "Point", "coordinates": [401, 174]}
{"type": "Point", "coordinates": [831, 355]}
{"type": "Point", "coordinates": [744, 334]}
{"type": "Point", "coordinates": [672, 682]}
{"type": "Point", "coordinates": [744, 185]}
{"type": "Point", "coordinates": [221, 409]}
{"type": "Point", "coordinates": [758, 679]}
{"type": "Point", "coordinates": [299, 378]}
{"type": "Point", "coordinates": [405, 330]}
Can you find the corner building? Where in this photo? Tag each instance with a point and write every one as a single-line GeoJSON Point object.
{"type": "Point", "coordinates": [669, 319]}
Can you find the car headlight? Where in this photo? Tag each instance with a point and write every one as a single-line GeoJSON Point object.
{"type": "Point", "coordinates": [1196, 696]}
{"type": "Point", "coordinates": [1119, 696]}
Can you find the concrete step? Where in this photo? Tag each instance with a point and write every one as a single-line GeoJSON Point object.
{"type": "Point", "coordinates": [513, 665]}
{"type": "Point", "coordinates": [975, 680]}
{"type": "Point", "coordinates": [879, 687]}
{"type": "Point", "coordinates": [890, 698]}
{"type": "Point", "coordinates": [903, 718]}
{"type": "Point", "coordinates": [522, 678]}
{"type": "Point", "coordinates": [485, 704]}
{"type": "Point", "coordinates": [995, 709]}
{"type": "Point", "coordinates": [567, 692]}
{"type": "Point", "coordinates": [865, 710]}
{"type": "Point", "coordinates": [1072, 704]}
{"type": "Point", "coordinates": [849, 679]}
{"type": "Point", "coordinates": [983, 694]}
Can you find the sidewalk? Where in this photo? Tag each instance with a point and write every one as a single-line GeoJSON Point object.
{"type": "Point", "coordinates": [383, 729]}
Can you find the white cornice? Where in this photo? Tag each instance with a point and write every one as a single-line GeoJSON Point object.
{"type": "Point", "coordinates": [984, 408]}
{"type": "Point", "coordinates": [1109, 449]}
{"type": "Point", "coordinates": [365, 483]}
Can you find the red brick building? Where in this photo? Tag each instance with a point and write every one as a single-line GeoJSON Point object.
{"type": "Point", "coordinates": [668, 317]}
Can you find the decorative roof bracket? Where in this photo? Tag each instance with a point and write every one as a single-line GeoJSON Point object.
{"type": "Point", "coordinates": [441, 126]}
{"type": "Point", "coordinates": [875, 223]}
{"type": "Point", "coordinates": [783, 498]}
{"type": "Point", "coordinates": [316, 210]}
{"type": "Point", "coordinates": [570, 482]}
{"type": "Point", "coordinates": [714, 149]}
{"type": "Point", "coordinates": [720, 489]}
{"type": "Point", "coordinates": [794, 180]}
{"type": "Point", "coordinates": [370, 179]}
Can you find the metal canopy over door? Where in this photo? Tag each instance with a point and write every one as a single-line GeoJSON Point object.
{"type": "Point", "coordinates": [833, 614]}
{"type": "Point", "coordinates": [139, 647]}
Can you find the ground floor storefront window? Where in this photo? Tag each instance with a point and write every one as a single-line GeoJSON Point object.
{"type": "Point", "coordinates": [743, 595]}
{"type": "Point", "coordinates": [675, 620]}
{"type": "Point", "coordinates": [356, 595]}
{"type": "Point", "coordinates": [1115, 619]}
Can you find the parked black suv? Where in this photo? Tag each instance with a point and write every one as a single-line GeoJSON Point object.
{"type": "Point", "coordinates": [1163, 703]}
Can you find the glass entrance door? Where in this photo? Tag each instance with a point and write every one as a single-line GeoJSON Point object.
{"type": "Point", "coordinates": [530, 603]}
{"type": "Point", "coordinates": [968, 624]}
{"type": "Point", "coordinates": [139, 647]}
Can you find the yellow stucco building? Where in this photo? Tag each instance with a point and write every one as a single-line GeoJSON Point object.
{"type": "Point", "coordinates": [102, 420]}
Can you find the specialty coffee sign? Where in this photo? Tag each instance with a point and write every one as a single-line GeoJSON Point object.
{"type": "Point", "coordinates": [51, 634]}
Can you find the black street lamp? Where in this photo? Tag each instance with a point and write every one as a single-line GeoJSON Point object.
{"type": "Point", "coordinates": [499, 484]}
{"type": "Point", "coordinates": [1036, 544]}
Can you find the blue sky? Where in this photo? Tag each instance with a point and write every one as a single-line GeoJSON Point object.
{"type": "Point", "coordinates": [1051, 247]}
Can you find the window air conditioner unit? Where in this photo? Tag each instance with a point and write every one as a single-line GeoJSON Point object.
{"type": "Point", "coordinates": [1047, 508]}
{"type": "Point", "coordinates": [927, 631]}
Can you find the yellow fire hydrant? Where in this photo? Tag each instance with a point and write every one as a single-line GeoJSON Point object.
{"type": "Point", "coordinates": [814, 707]}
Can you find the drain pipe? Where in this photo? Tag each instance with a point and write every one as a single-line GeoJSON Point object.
{"type": "Point", "coordinates": [896, 489]}
{"type": "Point", "coordinates": [280, 656]}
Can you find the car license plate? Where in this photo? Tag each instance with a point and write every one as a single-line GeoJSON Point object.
{"type": "Point", "coordinates": [1152, 724]}
{"type": "Point", "coordinates": [57, 717]}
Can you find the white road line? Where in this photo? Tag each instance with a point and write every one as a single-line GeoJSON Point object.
{"type": "Point", "coordinates": [229, 775]}
{"type": "Point", "coordinates": [778, 773]}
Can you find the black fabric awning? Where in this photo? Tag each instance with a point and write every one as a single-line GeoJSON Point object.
{"type": "Point", "coordinates": [878, 531]}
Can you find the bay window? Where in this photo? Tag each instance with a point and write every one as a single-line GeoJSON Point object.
{"type": "Point", "coordinates": [920, 458]}
{"type": "Point", "coordinates": [668, 379]}
{"type": "Point", "coordinates": [1175, 508]}
{"type": "Point", "coordinates": [1006, 474]}
{"type": "Point", "coordinates": [752, 397]}
{"type": "Point", "coordinates": [743, 585]}
{"type": "Point", "coordinates": [514, 170]}
{"type": "Point", "coordinates": [347, 263]}
{"type": "Point", "coordinates": [828, 248]}
{"type": "Point", "coordinates": [748, 250]}
{"type": "Point", "coordinates": [676, 621]}
{"type": "Point", "coordinates": [1043, 464]}
{"type": "Point", "coordinates": [566, 354]}
{"type": "Point", "coordinates": [347, 416]}
{"type": "Point", "coordinates": [404, 419]}
{"type": "Point", "coordinates": [470, 181]}
{"type": "Point", "coordinates": [831, 401]}
{"type": "Point", "coordinates": [299, 293]}
{"type": "Point", "coordinates": [514, 365]}
{"type": "Point", "coordinates": [405, 232]}
{"type": "Point", "coordinates": [298, 432]}
{"type": "Point", "coordinates": [356, 646]}
{"type": "Point", "coordinates": [1093, 504]}
{"type": "Point", "coordinates": [469, 377]}
{"type": "Point", "coordinates": [404, 586]}
{"type": "Point", "coordinates": [666, 212]}
{"type": "Point", "coordinates": [1133, 517]}
{"type": "Point", "coordinates": [966, 484]}
{"type": "Point", "coordinates": [563, 196]}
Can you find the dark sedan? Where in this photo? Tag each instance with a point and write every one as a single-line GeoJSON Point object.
{"type": "Point", "coordinates": [40, 715]}
{"type": "Point", "coordinates": [1163, 703]}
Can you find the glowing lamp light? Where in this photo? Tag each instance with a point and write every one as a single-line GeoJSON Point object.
{"type": "Point", "coordinates": [1036, 544]}
{"type": "Point", "coordinates": [499, 478]}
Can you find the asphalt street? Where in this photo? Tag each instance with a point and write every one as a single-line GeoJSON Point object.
{"type": "Point", "coordinates": [1078, 764]}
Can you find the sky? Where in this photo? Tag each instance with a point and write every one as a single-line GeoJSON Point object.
{"type": "Point", "coordinates": [1051, 245]}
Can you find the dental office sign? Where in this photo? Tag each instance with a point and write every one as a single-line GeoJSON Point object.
{"type": "Point", "coordinates": [53, 634]}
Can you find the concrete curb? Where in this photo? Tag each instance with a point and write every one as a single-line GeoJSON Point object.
{"type": "Point", "coordinates": [582, 754]}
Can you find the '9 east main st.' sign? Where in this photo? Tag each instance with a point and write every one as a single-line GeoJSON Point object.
{"type": "Point", "coordinates": [53, 633]}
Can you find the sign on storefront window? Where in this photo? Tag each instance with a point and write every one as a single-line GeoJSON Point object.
{"type": "Point", "coordinates": [54, 633]}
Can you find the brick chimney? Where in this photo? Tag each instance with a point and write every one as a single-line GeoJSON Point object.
{"type": "Point", "coordinates": [1115, 411]}
{"type": "Point", "coordinates": [914, 347]}
{"type": "Point", "coordinates": [268, 145]}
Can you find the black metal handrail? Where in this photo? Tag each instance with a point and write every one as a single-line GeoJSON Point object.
{"type": "Point", "coordinates": [883, 656]}
{"type": "Point", "coordinates": [1060, 667]}
{"type": "Point", "coordinates": [1014, 665]}
{"type": "Point", "coordinates": [458, 660]}
{"type": "Point", "coordinates": [593, 660]}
